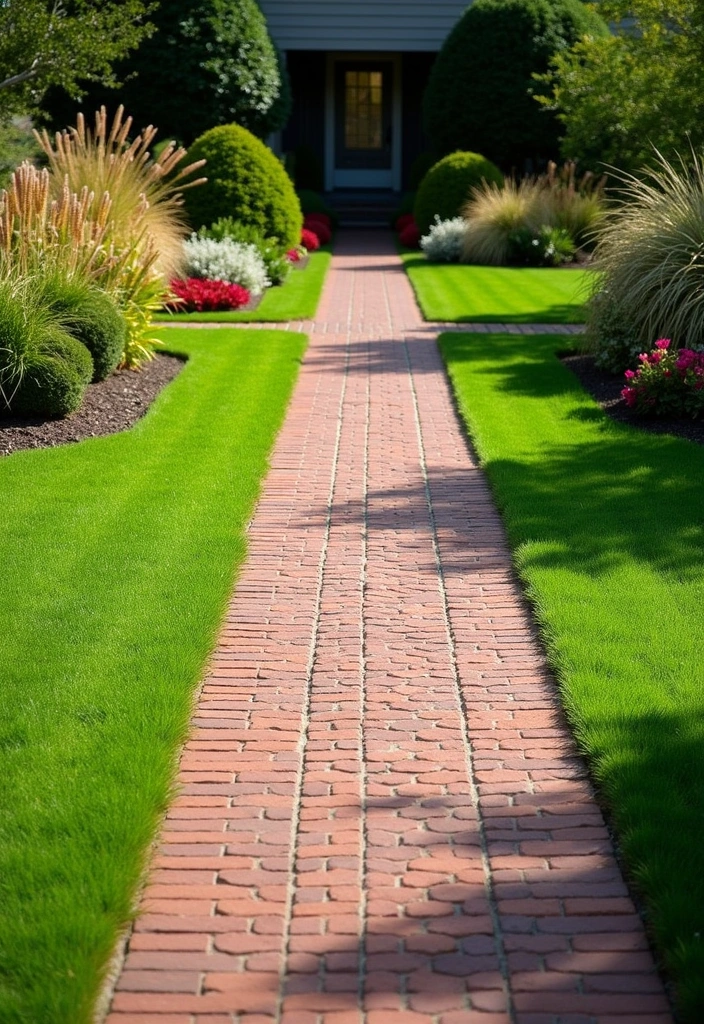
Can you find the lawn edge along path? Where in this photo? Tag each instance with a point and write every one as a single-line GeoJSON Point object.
{"type": "Point", "coordinates": [118, 555]}
{"type": "Point", "coordinates": [382, 818]}
{"type": "Point", "coordinates": [605, 522]}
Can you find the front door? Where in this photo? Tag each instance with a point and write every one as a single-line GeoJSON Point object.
{"type": "Point", "coordinates": [364, 135]}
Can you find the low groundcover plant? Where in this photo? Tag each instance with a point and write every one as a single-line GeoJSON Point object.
{"type": "Point", "coordinates": [667, 382]}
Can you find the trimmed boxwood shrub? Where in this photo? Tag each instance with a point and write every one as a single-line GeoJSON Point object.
{"type": "Point", "coordinates": [479, 93]}
{"type": "Point", "coordinates": [245, 181]}
{"type": "Point", "coordinates": [55, 378]}
{"type": "Point", "coordinates": [93, 318]}
{"type": "Point", "coordinates": [446, 187]}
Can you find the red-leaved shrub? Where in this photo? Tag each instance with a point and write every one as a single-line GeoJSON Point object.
{"type": "Point", "coordinates": [309, 240]}
{"type": "Point", "coordinates": [201, 295]}
{"type": "Point", "coordinates": [410, 236]}
{"type": "Point", "coordinates": [403, 221]}
{"type": "Point", "coordinates": [318, 228]}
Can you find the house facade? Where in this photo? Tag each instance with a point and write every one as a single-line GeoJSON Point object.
{"type": "Point", "coordinates": [358, 69]}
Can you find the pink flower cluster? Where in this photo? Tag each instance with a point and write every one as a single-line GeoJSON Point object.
{"type": "Point", "coordinates": [667, 382]}
{"type": "Point", "coordinates": [195, 294]}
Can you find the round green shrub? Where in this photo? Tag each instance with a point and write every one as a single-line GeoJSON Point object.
{"type": "Point", "coordinates": [245, 181]}
{"type": "Point", "coordinates": [54, 379]}
{"type": "Point", "coordinates": [446, 187]}
{"type": "Point", "coordinates": [480, 90]}
{"type": "Point", "coordinates": [92, 317]}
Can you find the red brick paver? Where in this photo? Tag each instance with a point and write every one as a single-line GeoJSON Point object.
{"type": "Point", "coordinates": [381, 819]}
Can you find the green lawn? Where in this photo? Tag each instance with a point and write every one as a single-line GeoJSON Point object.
{"type": "Point", "coordinates": [118, 555]}
{"type": "Point", "coordinates": [606, 523]}
{"type": "Point", "coordinates": [520, 295]}
{"type": "Point", "coordinates": [296, 299]}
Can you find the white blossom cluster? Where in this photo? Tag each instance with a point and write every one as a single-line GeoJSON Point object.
{"type": "Point", "coordinates": [234, 262]}
{"type": "Point", "coordinates": [443, 243]}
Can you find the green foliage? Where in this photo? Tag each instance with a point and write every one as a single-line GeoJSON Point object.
{"type": "Point", "coordinates": [271, 250]}
{"type": "Point", "coordinates": [91, 316]}
{"type": "Point", "coordinates": [479, 94]}
{"type": "Point", "coordinates": [650, 253]}
{"type": "Point", "coordinates": [447, 185]}
{"type": "Point", "coordinates": [54, 379]}
{"type": "Point", "coordinates": [17, 143]}
{"type": "Point", "coordinates": [540, 247]}
{"type": "Point", "coordinates": [43, 369]}
{"type": "Point", "coordinates": [56, 44]}
{"type": "Point", "coordinates": [617, 95]}
{"type": "Point", "coordinates": [612, 335]}
{"type": "Point", "coordinates": [244, 181]}
{"type": "Point", "coordinates": [210, 62]}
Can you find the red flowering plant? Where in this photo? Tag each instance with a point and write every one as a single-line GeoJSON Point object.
{"type": "Point", "coordinates": [201, 295]}
{"type": "Point", "coordinates": [668, 382]}
{"type": "Point", "coordinates": [309, 240]}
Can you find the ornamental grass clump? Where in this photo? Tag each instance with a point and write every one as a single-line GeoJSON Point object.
{"type": "Point", "coordinates": [651, 255]}
{"type": "Point", "coordinates": [141, 245]}
{"type": "Point", "coordinates": [668, 382]}
{"type": "Point", "coordinates": [493, 213]}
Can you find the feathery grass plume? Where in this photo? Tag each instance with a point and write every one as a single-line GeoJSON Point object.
{"type": "Point", "coordinates": [36, 230]}
{"type": "Point", "coordinates": [142, 243]}
{"type": "Point", "coordinates": [651, 251]}
{"type": "Point", "coordinates": [493, 212]}
{"type": "Point", "coordinates": [146, 191]}
{"type": "Point", "coordinates": [578, 207]}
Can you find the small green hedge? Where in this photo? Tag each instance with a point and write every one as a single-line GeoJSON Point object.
{"type": "Point", "coordinates": [91, 317]}
{"type": "Point", "coordinates": [55, 378]}
{"type": "Point", "coordinates": [446, 187]}
{"type": "Point", "coordinates": [246, 182]}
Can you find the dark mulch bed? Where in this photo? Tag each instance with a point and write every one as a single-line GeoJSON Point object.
{"type": "Point", "coordinates": [606, 389]}
{"type": "Point", "coordinates": [109, 406]}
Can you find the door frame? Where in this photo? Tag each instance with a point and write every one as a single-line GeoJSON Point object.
{"type": "Point", "coordinates": [356, 178]}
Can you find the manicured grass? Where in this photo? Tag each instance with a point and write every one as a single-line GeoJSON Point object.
{"type": "Point", "coordinates": [296, 299]}
{"type": "Point", "coordinates": [510, 295]}
{"type": "Point", "coordinates": [607, 528]}
{"type": "Point", "coordinates": [118, 555]}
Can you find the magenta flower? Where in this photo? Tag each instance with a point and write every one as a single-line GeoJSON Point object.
{"type": "Point", "coordinates": [629, 375]}
{"type": "Point", "coordinates": [662, 343]}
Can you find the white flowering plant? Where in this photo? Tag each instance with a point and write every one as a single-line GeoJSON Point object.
{"type": "Point", "coordinates": [443, 243]}
{"type": "Point", "coordinates": [226, 260]}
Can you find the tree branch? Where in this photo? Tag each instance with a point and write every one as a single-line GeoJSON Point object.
{"type": "Point", "coordinates": [23, 76]}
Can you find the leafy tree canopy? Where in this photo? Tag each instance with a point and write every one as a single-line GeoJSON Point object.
{"type": "Point", "coordinates": [209, 62]}
{"type": "Point", "coordinates": [64, 43]}
{"type": "Point", "coordinates": [643, 86]}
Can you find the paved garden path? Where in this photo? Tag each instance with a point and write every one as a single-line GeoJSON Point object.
{"type": "Point", "coordinates": [381, 818]}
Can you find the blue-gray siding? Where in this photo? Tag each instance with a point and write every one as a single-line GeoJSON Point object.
{"type": "Point", "coordinates": [368, 25]}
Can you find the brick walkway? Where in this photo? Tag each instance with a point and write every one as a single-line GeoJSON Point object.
{"type": "Point", "coordinates": [381, 820]}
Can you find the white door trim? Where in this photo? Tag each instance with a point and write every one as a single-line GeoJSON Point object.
{"type": "Point", "coordinates": [362, 179]}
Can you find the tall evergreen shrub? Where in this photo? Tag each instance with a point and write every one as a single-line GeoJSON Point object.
{"type": "Point", "coordinates": [480, 92]}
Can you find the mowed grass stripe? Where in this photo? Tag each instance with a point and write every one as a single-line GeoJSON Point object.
{"type": "Point", "coordinates": [118, 558]}
{"type": "Point", "coordinates": [296, 299]}
{"type": "Point", "coordinates": [456, 293]}
{"type": "Point", "coordinates": [606, 523]}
